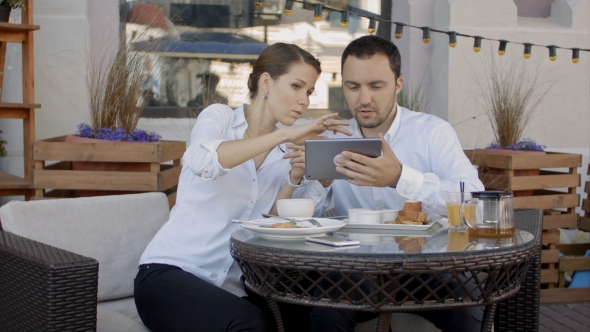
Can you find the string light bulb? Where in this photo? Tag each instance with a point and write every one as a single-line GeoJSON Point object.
{"type": "Point", "coordinates": [477, 43]}
{"type": "Point", "coordinates": [334, 76]}
{"type": "Point", "coordinates": [288, 7]}
{"type": "Point", "coordinates": [399, 29]}
{"type": "Point", "coordinates": [452, 38]}
{"type": "Point", "coordinates": [317, 14]}
{"type": "Point", "coordinates": [344, 19]}
{"type": "Point", "coordinates": [372, 23]}
{"type": "Point", "coordinates": [502, 48]}
{"type": "Point", "coordinates": [575, 55]}
{"type": "Point", "coordinates": [527, 50]}
{"type": "Point", "coordinates": [552, 52]}
{"type": "Point", "coordinates": [425, 34]}
{"type": "Point", "coordinates": [258, 3]}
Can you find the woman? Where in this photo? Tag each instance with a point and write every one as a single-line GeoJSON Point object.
{"type": "Point", "coordinates": [236, 167]}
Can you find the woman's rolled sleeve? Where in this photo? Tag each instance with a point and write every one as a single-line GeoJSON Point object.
{"type": "Point", "coordinates": [201, 156]}
{"type": "Point", "coordinates": [203, 160]}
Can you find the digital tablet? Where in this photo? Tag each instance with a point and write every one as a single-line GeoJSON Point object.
{"type": "Point", "coordinates": [321, 153]}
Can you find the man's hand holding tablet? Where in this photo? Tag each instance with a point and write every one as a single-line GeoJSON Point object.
{"type": "Point", "coordinates": [321, 155]}
{"type": "Point", "coordinates": [383, 171]}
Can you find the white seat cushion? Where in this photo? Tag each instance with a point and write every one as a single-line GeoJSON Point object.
{"type": "Point", "coordinates": [119, 315]}
{"type": "Point", "coordinates": [114, 230]}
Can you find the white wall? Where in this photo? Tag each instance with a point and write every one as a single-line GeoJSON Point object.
{"type": "Point", "coordinates": [12, 92]}
{"type": "Point", "coordinates": [562, 120]}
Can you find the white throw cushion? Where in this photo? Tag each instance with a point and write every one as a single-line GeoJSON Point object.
{"type": "Point", "coordinates": [114, 230]}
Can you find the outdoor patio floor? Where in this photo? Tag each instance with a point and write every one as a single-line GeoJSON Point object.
{"type": "Point", "coordinates": [565, 317]}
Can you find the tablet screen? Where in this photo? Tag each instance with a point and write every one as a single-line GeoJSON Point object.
{"type": "Point", "coordinates": [320, 155]}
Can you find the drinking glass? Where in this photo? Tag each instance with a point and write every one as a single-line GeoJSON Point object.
{"type": "Point", "coordinates": [453, 200]}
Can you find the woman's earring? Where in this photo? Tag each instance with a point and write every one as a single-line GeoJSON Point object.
{"type": "Point", "coordinates": [265, 96]}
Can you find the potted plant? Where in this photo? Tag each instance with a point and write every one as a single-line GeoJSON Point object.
{"type": "Point", "coordinates": [7, 5]}
{"type": "Point", "coordinates": [510, 93]}
{"type": "Point", "coordinates": [115, 86]}
{"type": "Point", "coordinates": [110, 154]}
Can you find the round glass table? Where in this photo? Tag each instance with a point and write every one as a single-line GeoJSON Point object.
{"type": "Point", "coordinates": [390, 270]}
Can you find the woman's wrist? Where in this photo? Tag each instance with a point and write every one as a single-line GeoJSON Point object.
{"type": "Point", "coordinates": [283, 135]}
{"type": "Point", "coordinates": [294, 184]}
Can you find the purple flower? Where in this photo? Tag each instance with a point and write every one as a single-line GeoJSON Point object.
{"type": "Point", "coordinates": [526, 144]}
{"type": "Point", "coordinates": [494, 145]}
{"type": "Point", "coordinates": [119, 134]}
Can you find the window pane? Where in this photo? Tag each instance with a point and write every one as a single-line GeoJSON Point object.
{"type": "Point", "coordinates": [202, 51]}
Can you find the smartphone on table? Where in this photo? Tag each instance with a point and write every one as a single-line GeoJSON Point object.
{"type": "Point", "coordinates": [332, 241]}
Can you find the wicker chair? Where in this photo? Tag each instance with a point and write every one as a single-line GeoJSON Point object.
{"type": "Point", "coordinates": [44, 288]}
{"type": "Point", "coordinates": [48, 282]}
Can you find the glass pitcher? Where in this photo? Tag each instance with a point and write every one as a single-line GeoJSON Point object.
{"type": "Point", "coordinates": [489, 213]}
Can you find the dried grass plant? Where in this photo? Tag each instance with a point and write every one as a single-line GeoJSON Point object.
{"type": "Point", "coordinates": [510, 93]}
{"type": "Point", "coordinates": [115, 85]}
{"type": "Point", "coordinates": [411, 99]}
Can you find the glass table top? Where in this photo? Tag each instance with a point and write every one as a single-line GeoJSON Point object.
{"type": "Point", "coordinates": [387, 242]}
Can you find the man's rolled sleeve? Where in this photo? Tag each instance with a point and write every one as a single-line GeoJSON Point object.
{"type": "Point", "coordinates": [410, 183]}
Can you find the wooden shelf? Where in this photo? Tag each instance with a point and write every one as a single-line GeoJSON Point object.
{"type": "Point", "coordinates": [11, 27]}
{"type": "Point", "coordinates": [15, 33]}
{"type": "Point", "coordinates": [17, 111]}
{"type": "Point", "coordinates": [9, 181]}
{"type": "Point", "coordinates": [11, 185]}
{"type": "Point", "coordinates": [7, 106]}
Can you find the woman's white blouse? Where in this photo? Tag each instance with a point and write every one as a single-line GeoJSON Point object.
{"type": "Point", "coordinates": [196, 237]}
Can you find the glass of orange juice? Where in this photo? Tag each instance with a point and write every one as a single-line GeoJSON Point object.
{"type": "Point", "coordinates": [453, 200]}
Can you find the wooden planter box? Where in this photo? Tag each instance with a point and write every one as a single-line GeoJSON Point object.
{"type": "Point", "coordinates": [573, 260]}
{"type": "Point", "coordinates": [545, 195]}
{"type": "Point", "coordinates": [63, 181]}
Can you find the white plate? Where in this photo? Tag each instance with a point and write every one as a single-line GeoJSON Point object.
{"type": "Point", "coordinates": [388, 233]}
{"type": "Point", "coordinates": [328, 225]}
{"type": "Point", "coordinates": [392, 226]}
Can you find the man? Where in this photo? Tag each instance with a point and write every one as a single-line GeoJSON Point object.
{"type": "Point", "coordinates": [422, 157]}
{"type": "Point", "coordinates": [208, 94]}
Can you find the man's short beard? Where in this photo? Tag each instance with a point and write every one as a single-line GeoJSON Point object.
{"type": "Point", "coordinates": [374, 123]}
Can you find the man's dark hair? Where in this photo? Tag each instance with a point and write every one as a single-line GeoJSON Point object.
{"type": "Point", "coordinates": [365, 47]}
{"type": "Point", "coordinates": [209, 80]}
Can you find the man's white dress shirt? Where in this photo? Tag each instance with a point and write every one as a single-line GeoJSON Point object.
{"type": "Point", "coordinates": [433, 162]}
{"type": "Point", "coordinates": [196, 237]}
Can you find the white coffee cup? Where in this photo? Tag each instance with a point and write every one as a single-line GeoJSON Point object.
{"type": "Point", "coordinates": [353, 216]}
{"type": "Point", "coordinates": [295, 207]}
{"type": "Point", "coordinates": [369, 217]}
{"type": "Point", "coordinates": [388, 215]}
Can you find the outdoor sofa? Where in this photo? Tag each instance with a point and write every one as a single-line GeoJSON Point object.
{"type": "Point", "coordinates": [69, 265]}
